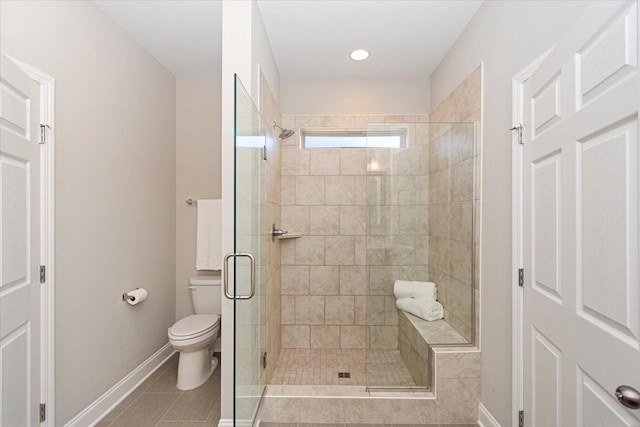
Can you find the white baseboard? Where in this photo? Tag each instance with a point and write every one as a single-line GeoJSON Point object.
{"type": "Point", "coordinates": [116, 394]}
{"type": "Point", "coordinates": [225, 423]}
{"type": "Point", "coordinates": [485, 419]}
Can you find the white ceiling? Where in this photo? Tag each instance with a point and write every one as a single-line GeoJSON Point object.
{"type": "Point", "coordinates": [185, 36]}
{"type": "Point", "coordinates": [309, 38]}
{"type": "Point", "coordinates": [313, 38]}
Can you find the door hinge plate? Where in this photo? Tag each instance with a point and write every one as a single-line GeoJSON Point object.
{"type": "Point", "coordinates": [43, 273]}
{"type": "Point", "coordinates": [521, 419]}
{"type": "Point", "coordinates": [43, 412]}
{"type": "Point", "coordinates": [521, 277]}
{"type": "Point", "coordinates": [43, 133]}
{"type": "Point", "coordinates": [264, 360]}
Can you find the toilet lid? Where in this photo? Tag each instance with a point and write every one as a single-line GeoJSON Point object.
{"type": "Point", "coordinates": [194, 325]}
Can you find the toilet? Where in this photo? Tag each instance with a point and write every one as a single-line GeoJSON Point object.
{"type": "Point", "coordinates": [193, 337]}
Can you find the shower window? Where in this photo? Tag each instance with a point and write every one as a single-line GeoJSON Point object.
{"type": "Point", "coordinates": [354, 138]}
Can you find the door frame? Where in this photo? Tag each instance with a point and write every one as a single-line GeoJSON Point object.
{"type": "Point", "coordinates": [47, 238]}
{"type": "Point", "coordinates": [517, 244]}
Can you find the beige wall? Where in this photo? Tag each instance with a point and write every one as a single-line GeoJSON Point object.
{"type": "Point", "coordinates": [355, 96]}
{"type": "Point", "coordinates": [197, 171]}
{"type": "Point", "coordinates": [115, 191]}
{"type": "Point", "coordinates": [262, 57]}
{"type": "Point", "coordinates": [506, 36]}
{"type": "Point", "coordinates": [454, 158]}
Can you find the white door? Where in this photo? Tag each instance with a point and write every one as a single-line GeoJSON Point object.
{"type": "Point", "coordinates": [581, 188]}
{"type": "Point", "coordinates": [20, 248]}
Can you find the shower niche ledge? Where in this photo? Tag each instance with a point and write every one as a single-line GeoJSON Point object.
{"type": "Point", "coordinates": [290, 236]}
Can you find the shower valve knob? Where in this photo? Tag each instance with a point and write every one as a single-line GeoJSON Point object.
{"type": "Point", "coordinates": [275, 232]}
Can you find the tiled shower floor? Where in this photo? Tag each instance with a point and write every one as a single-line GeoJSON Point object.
{"type": "Point", "coordinates": [321, 367]}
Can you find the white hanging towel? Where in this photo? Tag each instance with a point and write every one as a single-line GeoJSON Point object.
{"type": "Point", "coordinates": [423, 308]}
{"type": "Point", "coordinates": [208, 241]}
{"type": "Point", "coordinates": [413, 289]}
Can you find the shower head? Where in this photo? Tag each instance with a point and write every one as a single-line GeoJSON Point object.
{"type": "Point", "coordinates": [284, 133]}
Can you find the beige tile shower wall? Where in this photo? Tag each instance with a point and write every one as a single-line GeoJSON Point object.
{"type": "Point", "coordinates": [454, 162]}
{"type": "Point", "coordinates": [337, 279]}
{"type": "Point", "coordinates": [271, 255]}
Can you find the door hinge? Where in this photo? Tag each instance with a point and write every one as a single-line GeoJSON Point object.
{"type": "Point", "coordinates": [43, 133]}
{"type": "Point", "coordinates": [518, 127]}
{"type": "Point", "coordinates": [521, 419]}
{"type": "Point", "coordinates": [521, 277]}
{"type": "Point", "coordinates": [264, 360]}
{"type": "Point", "coordinates": [43, 412]}
{"type": "Point", "coordinates": [264, 152]}
{"type": "Point", "coordinates": [43, 273]}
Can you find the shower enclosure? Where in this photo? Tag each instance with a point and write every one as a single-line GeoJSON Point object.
{"type": "Point", "coordinates": [395, 203]}
{"type": "Point", "coordinates": [391, 201]}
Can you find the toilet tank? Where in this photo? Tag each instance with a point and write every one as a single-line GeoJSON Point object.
{"type": "Point", "coordinates": [205, 294]}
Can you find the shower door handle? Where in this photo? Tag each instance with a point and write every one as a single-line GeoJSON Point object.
{"type": "Point", "coordinates": [226, 275]}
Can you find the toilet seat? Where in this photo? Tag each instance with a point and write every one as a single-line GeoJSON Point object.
{"type": "Point", "coordinates": [194, 326]}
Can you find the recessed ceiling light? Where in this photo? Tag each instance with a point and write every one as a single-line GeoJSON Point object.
{"type": "Point", "coordinates": [359, 55]}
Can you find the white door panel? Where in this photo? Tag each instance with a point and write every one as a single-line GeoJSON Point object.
{"type": "Point", "coordinates": [545, 268]}
{"type": "Point", "coordinates": [546, 370]}
{"type": "Point", "coordinates": [607, 268]}
{"type": "Point", "coordinates": [611, 55]}
{"type": "Point", "coordinates": [581, 188]}
{"type": "Point", "coordinates": [19, 248]}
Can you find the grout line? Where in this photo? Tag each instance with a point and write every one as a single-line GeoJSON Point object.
{"type": "Point", "coordinates": [124, 409]}
{"type": "Point", "coordinates": [161, 370]}
{"type": "Point", "coordinates": [166, 411]}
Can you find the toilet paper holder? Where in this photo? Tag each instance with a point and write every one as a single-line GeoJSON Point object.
{"type": "Point", "coordinates": [127, 297]}
{"type": "Point", "coordinates": [135, 296]}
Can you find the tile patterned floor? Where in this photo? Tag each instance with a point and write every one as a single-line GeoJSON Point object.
{"type": "Point", "coordinates": [361, 425]}
{"type": "Point", "coordinates": [321, 367]}
{"type": "Point", "coordinates": [387, 368]}
{"type": "Point", "coordinates": [158, 403]}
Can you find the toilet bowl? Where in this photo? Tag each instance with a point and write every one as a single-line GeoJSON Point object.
{"type": "Point", "coordinates": [193, 336]}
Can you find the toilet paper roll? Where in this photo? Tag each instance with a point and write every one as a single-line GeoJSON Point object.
{"type": "Point", "coordinates": [138, 295]}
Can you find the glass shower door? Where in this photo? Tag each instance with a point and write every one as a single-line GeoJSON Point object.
{"type": "Point", "coordinates": [420, 228]}
{"type": "Point", "coordinates": [248, 257]}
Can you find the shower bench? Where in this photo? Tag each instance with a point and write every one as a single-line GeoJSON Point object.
{"type": "Point", "coordinates": [416, 337]}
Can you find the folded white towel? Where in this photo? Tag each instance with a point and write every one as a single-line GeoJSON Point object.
{"type": "Point", "coordinates": [423, 308]}
{"type": "Point", "coordinates": [208, 240]}
{"type": "Point", "coordinates": [412, 289]}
